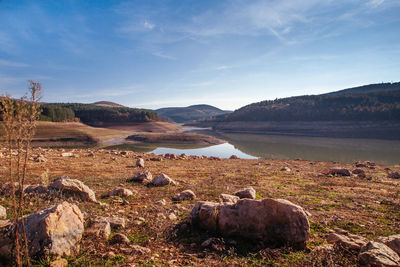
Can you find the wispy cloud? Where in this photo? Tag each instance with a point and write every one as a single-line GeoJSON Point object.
{"type": "Point", "coordinates": [148, 25]}
{"type": "Point", "coordinates": [163, 55]}
{"type": "Point", "coordinates": [8, 63]}
{"type": "Point", "coordinates": [375, 3]}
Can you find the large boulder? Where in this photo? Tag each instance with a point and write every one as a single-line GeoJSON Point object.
{"type": "Point", "coordinates": [54, 231]}
{"type": "Point", "coordinates": [248, 192]}
{"type": "Point", "coordinates": [273, 221]}
{"type": "Point", "coordinates": [73, 187]}
{"type": "Point", "coordinates": [141, 177]}
{"type": "Point", "coordinates": [392, 242]}
{"type": "Point", "coordinates": [378, 254]}
{"type": "Point", "coordinates": [162, 180]}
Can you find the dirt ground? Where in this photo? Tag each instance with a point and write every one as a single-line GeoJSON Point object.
{"type": "Point", "coordinates": [368, 206]}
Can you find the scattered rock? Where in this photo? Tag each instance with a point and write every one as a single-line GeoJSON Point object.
{"type": "Point", "coordinates": [248, 192]}
{"type": "Point", "coordinates": [161, 202]}
{"type": "Point", "coordinates": [233, 157]}
{"type": "Point", "coordinates": [140, 163]}
{"type": "Point", "coordinates": [394, 175]}
{"type": "Point", "coordinates": [119, 239]}
{"type": "Point", "coordinates": [340, 172]}
{"type": "Point", "coordinates": [115, 222]}
{"type": "Point", "coordinates": [360, 164]}
{"type": "Point", "coordinates": [67, 154]}
{"type": "Point", "coordinates": [209, 242]}
{"type": "Point", "coordinates": [162, 180]}
{"type": "Point", "coordinates": [100, 229]}
{"type": "Point", "coordinates": [392, 242]}
{"type": "Point", "coordinates": [3, 213]}
{"type": "Point", "coordinates": [156, 159]}
{"type": "Point", "coordinates": [228, 198]}
{"type": "Point", "coordinates": [136, 249]}
{"type": "Point", "coordinates": [378, 254]}
{"type": "Point", "coordinates": [184, 195]}
{"type": "Point", "coordinates": [142, 176]}
{"type": "Point", "coordinates": [323, 249]}
{"type": "Point", "coordinates": [73, 187]}
{"type": "Point", "coordinates": [273, 221]}
{"type": "Point", "coordinates": [359, 172]}
{"type": "Point", "coordinates": [344, 240]}
{"type": "Point", "coordinates": [53, 231]}
{"type": "Point", "coordinates": [121, 192]}
{"type": "Point", "coordinates": [286, 169]}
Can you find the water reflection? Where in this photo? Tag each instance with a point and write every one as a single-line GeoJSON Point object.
{"type": "Point", "coordinates": [223, 151]}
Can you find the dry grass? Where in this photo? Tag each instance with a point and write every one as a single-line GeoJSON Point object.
{"type": "Point", "coordinates": [351, 203]}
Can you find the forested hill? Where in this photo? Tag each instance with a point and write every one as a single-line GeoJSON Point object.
{"type": "Point", "coordinates": [350, 105]}
{"type": "Point", "coordinates": [94, 114]}
{"type": "Point", "coordinates": [377, 87]}
{"type": "Point", "coordinates": [190, 113]}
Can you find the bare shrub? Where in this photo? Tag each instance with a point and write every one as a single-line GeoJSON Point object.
{"type": "Point", "coordinates": [19, 122]}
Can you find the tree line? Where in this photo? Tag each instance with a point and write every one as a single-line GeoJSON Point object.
{"type": "Point", "coordinates": [383, 105]}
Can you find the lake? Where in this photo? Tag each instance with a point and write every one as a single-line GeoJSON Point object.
{"type": "Point", "coordinates": [346, 150]}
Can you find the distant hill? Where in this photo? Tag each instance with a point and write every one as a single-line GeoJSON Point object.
{"type": "Point", "coordinates": [191, 113]}
{"type": "Point", "coordinates": [96, 115]}
{"type": "Point", "coordinates": [375, 102]}
{"type": "Point", "coordinates": [107, 104]}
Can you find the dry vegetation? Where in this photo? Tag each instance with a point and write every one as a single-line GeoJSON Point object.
{"type": "Point", "coordinates": [366, 206]}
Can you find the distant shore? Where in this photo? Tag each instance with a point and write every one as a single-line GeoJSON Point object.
{"type": "Point", "coordinates": [387, 130]}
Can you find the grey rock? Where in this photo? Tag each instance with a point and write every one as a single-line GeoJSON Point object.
{"type": "Point", "coordinates": [163, 180]}
{"type": "Point", "coordinates": [248, 192]}
{"type": "Point", "coordinates": [184, 195]}
{"type": "Point", "coordinates": [142, 177]}
{"type": "Point", "coordinates": [73, 187]}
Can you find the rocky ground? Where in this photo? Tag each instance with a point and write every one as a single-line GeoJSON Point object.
{"type": "Point", "coordinates": [148, 223]}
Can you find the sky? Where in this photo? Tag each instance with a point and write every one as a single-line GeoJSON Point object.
{"type": "Point", "coordinates": [153, 54]}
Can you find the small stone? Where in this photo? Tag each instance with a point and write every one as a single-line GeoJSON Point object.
{"type": "Point", "coordinates": [110, 255]}
{"type": "Point", "coordinates": [67, 154]}
{"type": "Point", "coordinates": [119, 239]}
{"type": "Point", "coordinates": [286, 169]}
{"type": "Point", "coordinates": [340, 172]}
{"type": "Point", "coordinates": [140, 163]}
{"type": "Point", "coordinates": [120, 191]}
{"type": "Point", "coordinates": [184, 195]}
{"type": "Point", "coordinates": [228, 198]}
{"type": "Point", "coordinates": [161, 202]}
{"type": "Point", "coordinates": [233, 157]}
{"type": "Point", "coordinates": [141, 177]}
{"type": "Point", "coordinates": [248, 192]}
{"type": "Point", "coordinates": [100, 229]}
{"type": "Point", "coordinates": [136, 249]}
{"type": "Point", "coordinates": [163, 180]}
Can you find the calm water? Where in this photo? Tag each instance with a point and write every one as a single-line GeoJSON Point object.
{"type": "Point", "coordinates": [223, 151]}
{"type": "Point", "coordinates": [296, 147]}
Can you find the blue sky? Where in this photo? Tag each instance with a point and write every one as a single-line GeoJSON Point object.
{"type": "Point", "coordinates": [155, 54]}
